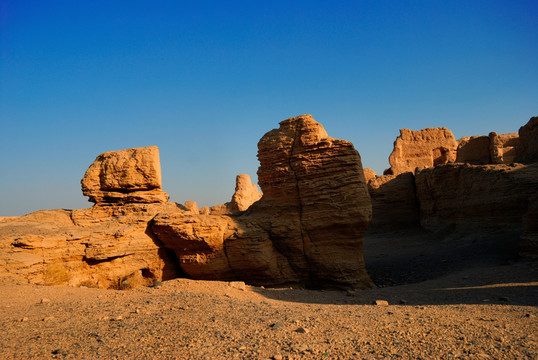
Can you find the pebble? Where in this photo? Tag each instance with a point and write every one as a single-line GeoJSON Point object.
{"type": "Point", "coordinates": [302, 330]}
{"type": "Point", "coordinates": [381, 303]}
{"type": "Point", "coordinates": [403, 301]}
{"type": "Point", "coordinates": [48, 318]}
{"type": "Point", "coordinates": [24, 319]}
{"type": "Point", "coordinates": [277, 357]}
{"type": "Point", "coordinates": [44, 301]}
{"type": "Point", "coordinates": [157, 284]}
{"type": "Point", "coordinates": [276, 325]}
{"type": "Point", "coordinates": [239, 285]}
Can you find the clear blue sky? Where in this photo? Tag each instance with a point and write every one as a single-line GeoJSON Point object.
{"type": "Point", "coordinates": [204, 80]}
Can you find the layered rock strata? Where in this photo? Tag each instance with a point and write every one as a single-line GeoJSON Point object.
{"type": "Point", "coordinates": [307, 228]}
{"type": "Point", "coordinates": [106, 246]}
{"type": "Point", "coordinates": [423, 148]}
{"type": "Point", "coordinates": [125, 176]}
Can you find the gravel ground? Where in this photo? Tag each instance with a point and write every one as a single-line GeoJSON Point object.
{"type": "Point", "coordinates": [458, 306]}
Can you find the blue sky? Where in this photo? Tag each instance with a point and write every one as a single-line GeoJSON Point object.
{"type": "Point", "coordinates": [205, 80]}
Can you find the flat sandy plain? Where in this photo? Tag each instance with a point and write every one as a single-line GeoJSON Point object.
{"type": "Point", "coordinates": [464, 298]}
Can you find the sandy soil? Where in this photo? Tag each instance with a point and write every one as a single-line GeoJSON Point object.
{"type": "Point", "coordinates": [450, 298]}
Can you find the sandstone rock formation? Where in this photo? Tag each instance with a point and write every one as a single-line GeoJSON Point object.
{"type": "Point", "coordinates": [369, 174]}
{"type": "Point", "coordinates": [475, 196]}
{"type": "Point", "coordinates": [527, 150]}
{"type": "Point", "coordinates": [394, 202]}
{"type": "Point", "coordinates": [125, 176]}
{"type": "Point", "coordinates": [246, 193]}
{"type": "Point", "coordinates": [307, 228]}
{"type": "Point", "coordinates": [529, 238]}
{"type": "Point", "coordinates": [503, 147]}
{"type": "Point", "coordinates": [106, 246]}
{"type": "Point", "coordinates": [474, 150]}
{"type": "Point", "coordinates": [423, 148]}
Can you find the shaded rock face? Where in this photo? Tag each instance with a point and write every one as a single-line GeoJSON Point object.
{"type": "Point", "coordinates": [104, 246]}
{"type": "Point", "coordinates": [125, 176]}
{"type": "Point", "coordinates": [529, 238]}
{"type": "Point", "coordinates": [527, 150]}
{"type": "Point", "coordinates": [394, 201]}
{"type": "Point", "coordinates": [474, 150]}
{"type": "Point", "coordinates": [503, 147]}
{"type": "Point", "coordinates": [474, 196]}
{"type": "Point", "coordinates": [307, 228]}
{"type": "Point", "coordinates": [423, 148]}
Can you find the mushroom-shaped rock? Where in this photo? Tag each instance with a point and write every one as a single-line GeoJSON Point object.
{"type": "Point", "coordinates": [125, 176]}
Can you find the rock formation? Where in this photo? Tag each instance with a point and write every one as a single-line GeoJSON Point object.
{"type": "Point", "coordinates": [423, 148]}
{"type": "Point", "coordinates": [394, 202]}
{"type": "Point", "coordinates": [125, 176]}
{"type": "Point", "coordinates": [307, 228]}
{"type": "Point", "coordinates": [475, 196]}
{"type": "Point", "coordinates": [369, 174]}
{"type": "Point", "coordinates": [474, 150]}
{"type": "Point", "coordinates": [527, 150]}
{"type": "Point", "coordinates": [503, 147]}
{"type": "Point", "coordinates": [246, 193]}
{"type": "Point", "coordinates": [106, 246]}
{"type": "Point", "coordinates": [529, 238]}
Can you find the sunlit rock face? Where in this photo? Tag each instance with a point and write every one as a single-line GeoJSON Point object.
{"type": "Point", "coordinates": [422, 148]}
{"type": "Point", "coordinates": [125, 176]}
{"type": "Point", "coordinates": [308, 227]}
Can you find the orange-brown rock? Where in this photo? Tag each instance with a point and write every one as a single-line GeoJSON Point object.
{"type": "Point", "coordinates": [246, 193]}
{"type": "Point", "coordinates": [475, 196]}
{"type": "Point", "coordinates": [394, 202]}
{"type": "Point", "coordinates": [423, 148]}
{"type": "Point", "coordinates": [474, 150]}
{"type": "Point", "coordinates": [369, 174]}
{"type": "Point", "coordinates": [527, 150]}
{"type": "Point", "coordinates": [125, 176]}
{"type": "Point", "coordinates": [307, 228]}
{"type": "Point", "coordinates": [503, 147]}
{"type": "Point", "coordinates": [106, 246]}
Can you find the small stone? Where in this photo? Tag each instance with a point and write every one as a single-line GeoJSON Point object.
{"type": "Point", "coordinates": [276, 325]}
{"type": "Point", "coordinates": [44, 301]}
{"type": "Point", "coordinates": [277, 357]}
{"type": "Point", "coordinates": [48, 318]}
{"type": "Point", "coordinates": [403, 301]}
{"type": "Point", "coordinates": [118, 318]}
{"type": "Point", "coordinates": [239, 285]}
{"type": "Point", "coordinates": [157, 284]}
{"type": "Point", "coordinates": [24, 319]}
{"type": "Point", "coordinates": [302, 330]}
{"type": "Point", "coordinates": [381, 303]}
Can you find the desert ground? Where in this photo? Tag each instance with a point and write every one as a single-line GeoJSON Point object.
{"type": "Point", "coordinates": [448, 297]}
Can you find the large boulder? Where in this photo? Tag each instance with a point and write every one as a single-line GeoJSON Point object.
{"type": "Point", "coordinates": [527, 150]}
{"type": "Point", "coordinates": [423, 148]}
{"type": "Point", "coordinates": [106, 246]}
{"type": "Point", "coordinates": [307, 228]}
{"type": "Point", "coordinates": [125, 176]}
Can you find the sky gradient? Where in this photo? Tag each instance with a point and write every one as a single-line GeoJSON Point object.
{"type": "Point", "coordinates": [205, 80]}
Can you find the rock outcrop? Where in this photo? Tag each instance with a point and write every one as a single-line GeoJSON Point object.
{"type": "Point", "coordinates": [394, 202]}
{"type": "Point", "coordinates": [307, 228]}
{"type": "Point", "coordinates": [529, 238]}
{"type": "Point", "coordinates": [423, 148]}
{"type": "Point", "coordinates": [475, 196]}
{"type": "Point", "coordinates": [106, 246]}
{"type": "Point", "coordinates": [246, 193]}
{"type": "Point", "coordinates": [527, 150]}
{"type": "Point", "coordinates": [125, 176]}
{"type": "Point", "coordinates": [474, 150]}
{"type": "Point", "coordinates": [503, 147]}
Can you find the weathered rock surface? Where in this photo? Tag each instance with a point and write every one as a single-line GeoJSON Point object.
{"type": "Point", "coordinates": [422, 148]}
{"type": "Point", "coordinates": [369, 174]}
{"type": "Point", "coordinates": [474, 150]}
{"type": "Point", "coordinates": [307, 228]}
{"type": "Point", "coordinates": [503, 147]}
{"type": "Point", "coordinates": [475, 196]}
{"type": "Point", "coordinates": [106, 246]}
{"type": "Point", "coordinates": [394, 202]}
{"type": "Point", "coordinates": [125, 176]}
{"type": "Point", "coordinates": [527, 150]}
{"type": "Point", "coordinates": [246, 193]}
